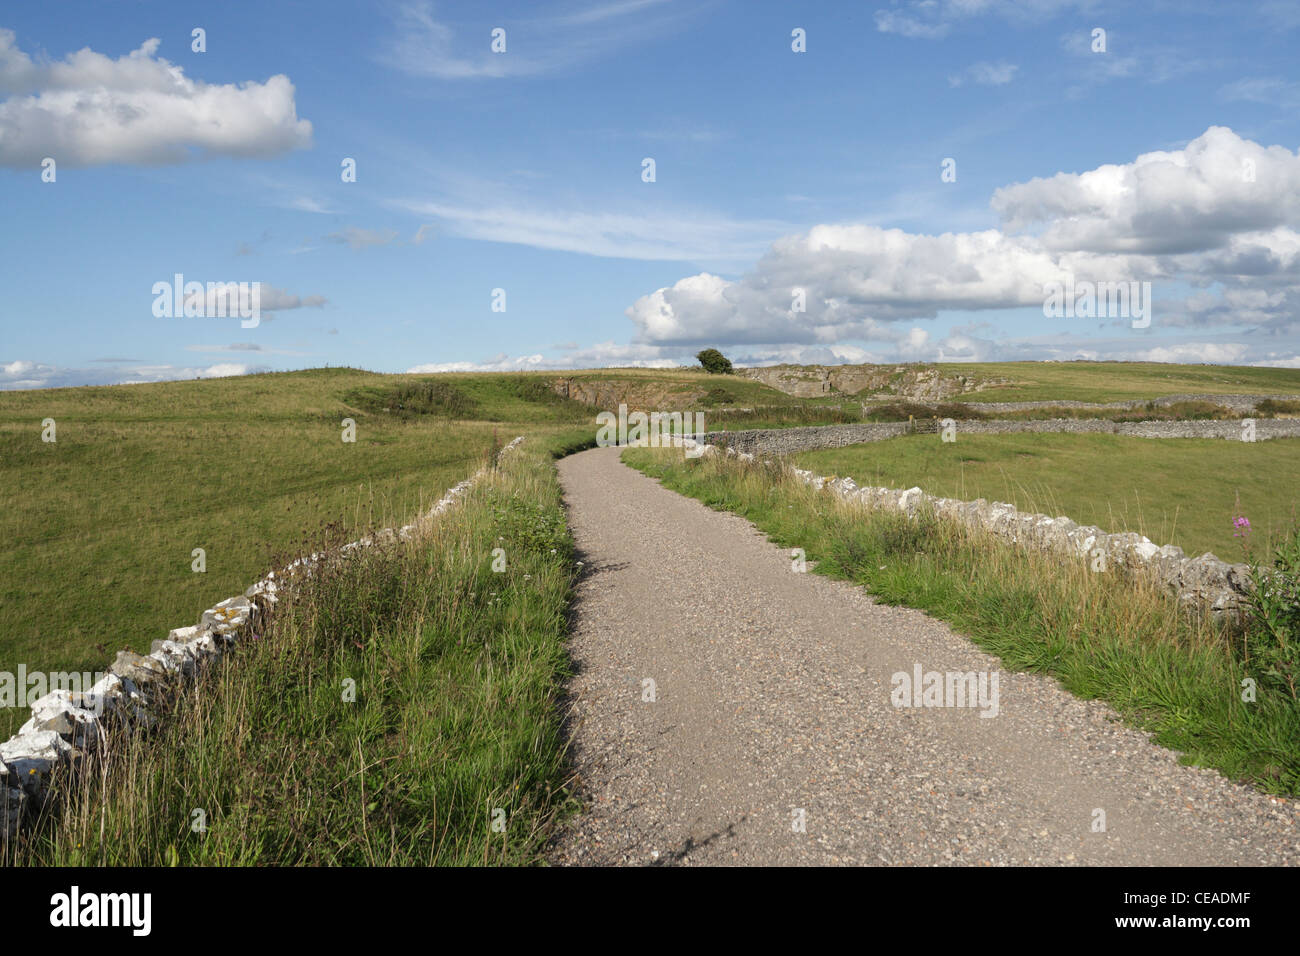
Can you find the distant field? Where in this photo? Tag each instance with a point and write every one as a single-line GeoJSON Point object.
{"type": "Point", "coordinates": [97, 529]}
{"type": "Point", "coordinates": [1174, 491]}
{"type": "Point", "coordinates": [1120, 381]}
{"type": "Point", "coordinates": [1030, 381]}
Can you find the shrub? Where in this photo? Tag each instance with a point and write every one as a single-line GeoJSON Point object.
{"type": "Point", "coordinates": [1270, 407]}
{"type": "Point", "coordinates": [714, 362]}
{"type": "Point", "coordinates": [1273, 626]}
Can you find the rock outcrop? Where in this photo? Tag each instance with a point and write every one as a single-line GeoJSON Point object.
{"type": "Point", "coordinates": [915, 383]}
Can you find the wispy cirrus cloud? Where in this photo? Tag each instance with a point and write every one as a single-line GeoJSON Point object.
{"type": "Point", "coordinates": [935, 19]}
{"type": "Point", "coordinates": [1271, 90]}
{"type": "Point", "coordinates": [648, 234]}
{"type": "Point", "coordinates": [985, 74]}
{"type": "Point", "coordinates": [555, 40]}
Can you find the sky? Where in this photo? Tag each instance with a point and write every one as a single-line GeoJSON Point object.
{"type": "Point", "coordinates": [585, 183]}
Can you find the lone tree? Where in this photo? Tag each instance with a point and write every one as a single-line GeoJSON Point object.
{"type": "Point", "coordinates": [715, 362]}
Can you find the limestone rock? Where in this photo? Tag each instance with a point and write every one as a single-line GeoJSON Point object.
{"type": "Point", "coordinates": [32, 756]}
{"type": "Point", "coordinates": [73, 716]}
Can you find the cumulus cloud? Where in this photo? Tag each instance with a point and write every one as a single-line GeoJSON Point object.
{"type": "Point", "coordinates": [1219, 215]}
{"type": "Point", "coordinates": [227, 298]}
{"type": "Point", "coordinates": [1192, 199]}
{"type": "Point", "coordinates": [89, 109]}
{"type": "Point", "coordinates": [854, 280]}
{"type": "Point", "coordinates": [279, 300]}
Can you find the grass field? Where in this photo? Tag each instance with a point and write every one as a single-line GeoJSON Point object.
{"type": "Point", "coordinates": [1120, 381]}
{"type": "Point", "coordinates": [1174, 491]}
{"type": "Point", "coordinates": [402, 709]}
{"type": "Point", "coordinates": [462, 667]}
{"type": "Point", "coordinates": [98, 527]}
{"type": "Point", "coordinates": [1028, 381]}
{"type": "Point", "coordinates": [1102, 636]}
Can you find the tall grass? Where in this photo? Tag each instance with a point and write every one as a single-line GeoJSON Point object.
{"type": "Point", "coordinates": [1101, 635]}
{"type": "Point", "coordinates": [455, 671]}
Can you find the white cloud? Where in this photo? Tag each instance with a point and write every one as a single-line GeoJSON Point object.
{"type": "Point", "coordinates": [648, 234]}
{"type": "Point", "coordinates": [603, 355]}
{"type": "Point", "coordinates": [985, 74]}
{"type": "Point", "coordinates": [424, 46]}
{"type": "Point", "coordinates": [279, 300]}
{"type": "Point", "coordinates": [226, 299]}
{"type": "Point", "coordinates": [1191, 199]}
{"type": "Point", "coordinates": [24, 374]}
{"type": "Point", "coordinates": [89, 109]}
{"type": "Point", "coordinates": [1218, 216]}
{"type": "Point", "coordinates": [308, 204]}
{"type": "Point", "coordinates": [1206, 353]}
{"type": "Point", "coordinates": [1274, 91]}
{"type": "Point", "coordinates": [934, 19]}
{"type": "Point", "coordinates": [855, 280]}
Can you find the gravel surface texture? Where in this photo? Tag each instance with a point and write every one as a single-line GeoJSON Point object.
{"type": "Point", "coordinates": [772, 708]}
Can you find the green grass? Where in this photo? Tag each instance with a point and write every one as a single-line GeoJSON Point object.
{"type": "Point", "coordinates": [1101, 635]}
{"type": "Point", "coordinates": [1120, 381]}
{"type": "Point", "coordinates": [1175, 491]}
{"type": "Point", "coordinates": [792, 416]}
{"type": "Point", "coordinates": [458, 673]}
{"type": "Point", "coordinates": [98, 528]}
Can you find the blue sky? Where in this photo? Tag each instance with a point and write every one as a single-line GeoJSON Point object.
{"type": "Point", "coordinates": [1169, 157]}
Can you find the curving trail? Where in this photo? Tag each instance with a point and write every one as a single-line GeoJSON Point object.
{"type": "Point", "coordinates": [773, 696]}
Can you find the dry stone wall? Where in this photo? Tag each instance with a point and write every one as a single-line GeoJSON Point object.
{"type": "Point", "coordinates": [67, 729]}
{"type": "Point", "coordinates": [1238, 403]}
{"type": "Point", "coordinates": [1204, 584]}
{"type": "Point", "coordinates": [786, 441]}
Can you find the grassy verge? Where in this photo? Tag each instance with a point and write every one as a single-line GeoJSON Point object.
{"type": "Point", "coordinates": [1102, 636]}
{"type": "Point", "coordinates": [455, 670]}
{"type": "Point", "coordinates": [1185, 491]}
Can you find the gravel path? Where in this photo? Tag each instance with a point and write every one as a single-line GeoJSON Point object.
{"type": "Point", "coordinates": [772, 696]}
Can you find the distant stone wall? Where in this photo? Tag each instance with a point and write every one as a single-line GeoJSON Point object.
{"type": "Point", "coordinates": [786, 441]}
{"type": "Point", "coordinates": [1238, 403]}
{"type": "Point", "coordinates": [1203, 585]}
{"type": "Point", "coordinates": [69, 728]}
